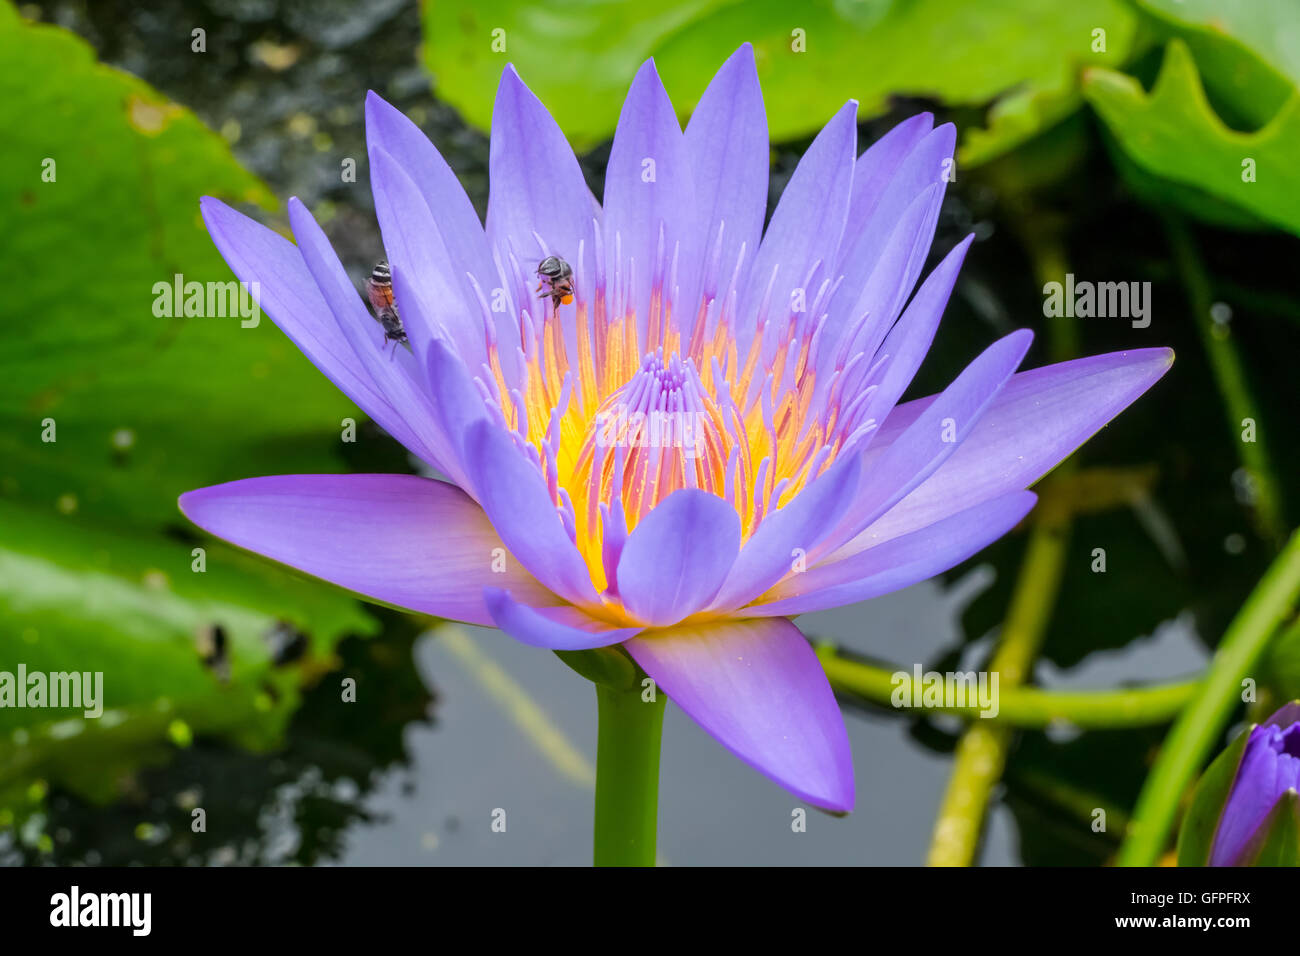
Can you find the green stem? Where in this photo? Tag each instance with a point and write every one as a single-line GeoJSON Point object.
{"type": "Point", "coordinates": [627, 776]}
{"type": "Point", "coordinates": [1027, 708]}
{"type": "Point", "coordinates": [1194, 734]}
{"type": "Point", "coordinates": [982, 751]}
{"type": "Point", "coordinates": [1230, 376]}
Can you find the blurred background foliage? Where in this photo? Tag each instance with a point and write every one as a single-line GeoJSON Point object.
{"type": "Point", "coordinates": [1107, 138]}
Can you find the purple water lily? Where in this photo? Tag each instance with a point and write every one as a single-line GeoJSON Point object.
{"type": "Point", "coordinates": [794, 481]}
{"type": "Point", "coordinates": [1269, 767]}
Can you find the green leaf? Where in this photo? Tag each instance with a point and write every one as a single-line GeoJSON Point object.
{"type": "Point", "coordinates": [1174, 133]}
{"type": "Point", "coordinates": [143, 407]}
{"type": "Point", "coordinates": [74, 598]}
{"type": "Point", "coordinates": [1196, 836]}
{"type": "Point", "coordinates": [1278, 838]}
{"type": "Point", "coordinates": [1248, 53]}
{"type": "Point", "coordinates": [1023, 56]}
{"type": "Point", "coordinates": [579, 57]}
{"type": "Point", "coordinates": [108, 412]}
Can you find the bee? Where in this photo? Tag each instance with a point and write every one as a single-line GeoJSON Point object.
{"type": "Point", "coordinates": [557, 281]}
{"type": "Point", "coordinates": [379, 290]}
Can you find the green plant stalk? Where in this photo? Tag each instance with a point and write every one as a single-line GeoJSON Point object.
{"type": "Point", "coordinates": [1027, 708]}
{"type": "Point", "coordinates": [627, 776]}
{"type": "Point", "coordinates": [1194, 734]}
{"type": "Point", "coordinates": [982, 751]}
{"type": "Point", "coordinates": [1230, 376]}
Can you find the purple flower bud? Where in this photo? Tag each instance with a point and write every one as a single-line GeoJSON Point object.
{"type": "Point", "coordinates": [1270, 767]}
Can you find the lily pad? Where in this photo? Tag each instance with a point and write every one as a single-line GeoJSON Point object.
{"type": "Point", "coordinates": [1023, 57]}
{"type": "Point", "coordinates": [1174, 133]}
{"type": "Point", "coordinates": [133, 609]}
{"type": "Point", "coordinates": [1248, 53]}
{"type": "Point", "coordinates": [109, 410]}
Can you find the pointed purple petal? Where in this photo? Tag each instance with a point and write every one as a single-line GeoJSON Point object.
{"type": "Point", "coordinates": [931, 438]}
{"type": "Point", "coordinates": [387, 128]}
{"type": "Point", "coordinates": [877, 165]}
{"type": "Point", "coordinates": [1270, 765]}
{"type": "Point", "coordinates": [908, 342]}
{"type": "Point", "coordinates": [562, 628]}
{"type": "Point", "coordinates": [398, 539]}
{"type": "Point", "coordinates": [892, 280]}
{"type": "Point", "coordinates": [726, 140]}
{"type": "Point", "coordinates": [457, 404]}
{"type": "Point", "coordinates": [899, 562]}
{"type": "Point", "coordinates": [758, 688]}
{"type": "Point", "coordinates": [650, 211]}
{"type": "Point", "coordinates": [287, 292]}
{"type": "Point", "coordinates": [513, 493]}
{"type": "Point", "coordinates": [419, 255]}
{"type": "Point", "coordinates": [394, 373]}
{"type": "Point", "coordinates": [806, 225]}
{"type": "Point", "coordinates": [770, 554]}
{"type": "Point", "coordinates": [889, 285]}
{"type": "Point", "coordinates": [866, 239]}
{"type": "Point", "coordinates": [677, 556]}
{"type": "Point", "coordinates": [536, 184]}
{"type": "Point", "coordinates": [1036, 421]}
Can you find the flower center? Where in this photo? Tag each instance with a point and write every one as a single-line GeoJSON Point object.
{"type": "Point", "coordinates": [623, 413]}
{"type": "Point", "coordinates": [660, 432]}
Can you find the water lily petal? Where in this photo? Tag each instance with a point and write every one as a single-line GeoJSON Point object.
{"type": "Point", "coordinates": [890, 282]}
{"type": "Point", "coordinates": [651, 221]}
{"type": "Point", "coordinates": [1270, 765]}
{"type": "Point", "coordinates": [421, 263]}
{"type": "Point", "coordinates": [797, 528]}
{"type": "Point", "coordinates": [560, 628]}
{"type": "Point", "coordinates": [923, 167]}
{"type": "Point", "coordinates": [411, 542]}
{"type": "Point", "coordinates": [726, 140]}
{"type": "Point", "coordinates": [931, 438]}
{"type": "Point", "coordinates": [877, 165]}
{"type": "Point", "coordinates": [388, 129]}
{"type": "Point", "coordinates": [539, 203]}
{"type": "Point", "coordinates": [806, 225]}
{"type": "Point", "coordinates": [457, 404]}
{"type": "Point", "coordinates": [908, 342]}
{"type": "Point", "coordinates": [394, 373]}
{"type": "Point", "coordinates": [757, 687]}
{"type": "Point", "coordinates": [287, 292]}
{"type": "Point", "coordinates": [1035, 422]}
{"type": "Point", "coordinates": [513, 493]}
{"type": "Point", "coordinates": [678, 556]}
{"type": "Point", "coordinates": [898, 562]}
{"type": "Point", "coordinates": [536, 183]}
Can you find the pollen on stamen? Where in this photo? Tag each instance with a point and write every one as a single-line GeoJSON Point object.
{"type": "Point", "coordinates": [653, 404]}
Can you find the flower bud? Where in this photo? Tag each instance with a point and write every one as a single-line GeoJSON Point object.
{"type": "Point", "coordinates": [1246, 811]}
